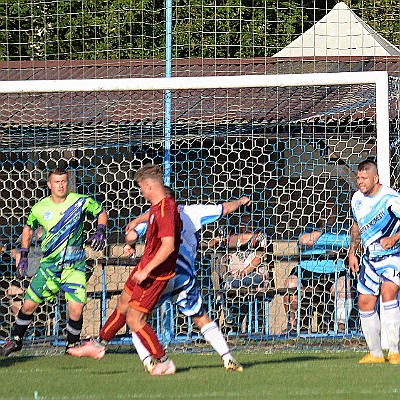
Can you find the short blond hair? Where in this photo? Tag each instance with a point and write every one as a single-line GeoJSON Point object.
{"type": "Point", "coordinates": [149, 171]}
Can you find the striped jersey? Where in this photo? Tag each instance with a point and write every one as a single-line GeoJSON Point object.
{"type": "Point", "coordinates": [62, 223]}
{"type": "Point", "coordinates": [193, 217]}
{"type": "Point", "coordinates": [377, 217]}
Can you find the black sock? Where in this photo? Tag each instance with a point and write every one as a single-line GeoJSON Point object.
{"type": "Point", "coordinates": [74, 329]}
{"type": "Point", "coordinates": [22, 322]}
{"type": "Point", "coordinates": [163, 358]}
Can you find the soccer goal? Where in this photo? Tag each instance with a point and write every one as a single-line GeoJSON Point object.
{"type": "Point", "coordinates": [290, 142]}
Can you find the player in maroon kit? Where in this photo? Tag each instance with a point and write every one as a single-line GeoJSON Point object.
{"type": "Point", "coordinates": [148, 280]}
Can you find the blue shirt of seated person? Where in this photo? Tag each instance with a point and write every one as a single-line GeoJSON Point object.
{"type": "Point", "coordinates": [321, 249]}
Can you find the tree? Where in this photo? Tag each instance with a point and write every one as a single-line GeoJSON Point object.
{"type": "Point", "coordinates": [381, 15]}
{"type": "Point", "coordinates": [234, 28]}
{"type": "Point", "coordinates": [118, 29]}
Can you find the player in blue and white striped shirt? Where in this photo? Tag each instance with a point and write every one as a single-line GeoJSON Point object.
{"type": "Point", "coordinates": [376, 211]}
{"type": "Point", "coordinates": [182, 289]}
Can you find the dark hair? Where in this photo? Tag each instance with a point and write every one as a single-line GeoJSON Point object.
{"type": "Point", "coordinates": [57, 171]}
{"type": "Point", "coordinates": [367, 165]}
{"type": "Point", "coordinates": [169, 191]}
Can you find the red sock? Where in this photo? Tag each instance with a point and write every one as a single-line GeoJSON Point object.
{"type": "Point", "coordinates": [150, 340]}
{"type": "Point", "coordinates": [114, 323]}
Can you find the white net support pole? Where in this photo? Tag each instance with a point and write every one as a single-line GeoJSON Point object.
{"type": "Point", "coordinates": [382, 127]}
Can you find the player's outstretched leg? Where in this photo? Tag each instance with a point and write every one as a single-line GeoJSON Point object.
{"type": "Point", "coordinates": [233, 365]}
{"type": "Point", "coordinates": [164, 368]}
{"type": "Point", "coordinates": [143, 353]}
{"type": "Point", "coordinates": [213, 335]}
{"type": "Point", "coordinates": [10, 346]}
{"type": "Point", "coordinates": [92, 348]}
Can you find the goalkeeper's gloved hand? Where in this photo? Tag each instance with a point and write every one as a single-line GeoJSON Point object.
{"type": "Point", "coordinates": [98, 240]}
{"type": "Point", "coordinates": [22, 267]}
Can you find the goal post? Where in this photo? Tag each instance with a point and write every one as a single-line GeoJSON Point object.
{"type": "Point", "coordinates": [291, 142]}
{"type": "Point", "coordinates": [379, 78]}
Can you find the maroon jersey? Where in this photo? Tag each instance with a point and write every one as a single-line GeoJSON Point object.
{"type": "Point", "coordinates": [164, 220]}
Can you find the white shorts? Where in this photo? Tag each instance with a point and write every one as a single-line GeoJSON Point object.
{"type": "Point", "coordinates": [374, 272]}
{"type": "Point", "coordinates": [182, 290]}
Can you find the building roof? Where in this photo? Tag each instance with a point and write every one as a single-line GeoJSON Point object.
{"type": "Point", "coordinates": [68, 119]}
{"type": "Point", "coordinates": [340, 33]}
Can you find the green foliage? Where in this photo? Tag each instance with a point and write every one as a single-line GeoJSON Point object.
{"type": "Point", "coordinates": [81, 29]}
{"type": "Point", "coordinates": [234, 28]}
{"type": "Point", "coordinates": [118, 29]}
{"type": "Point", "coordinates": [381, 15]}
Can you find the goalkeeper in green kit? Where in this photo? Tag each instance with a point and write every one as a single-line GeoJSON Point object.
{"type": "Point", "coordinates": [63, 265]}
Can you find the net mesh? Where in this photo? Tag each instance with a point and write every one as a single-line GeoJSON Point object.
{"type": "Point", "coordinates": [292, 150]}
{"type": "Point", "coordinates": [120, 29]}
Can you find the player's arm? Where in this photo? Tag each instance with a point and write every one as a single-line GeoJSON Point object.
{"type": "Point", "coordinates": [22, 263]}
{"type": "Point", "coordinates": [355, 240]}
{"type": "Point", "coordinates": [97, 241]}
{"type": "Point", "coordinates": [308, 239]}
{"type": "Point", "coordinates": [166, 249]}
{"type": "Point", "coordinates": [388, 242]}
{"type": "Point", "coordinates": [393, 205]}
{"type": "Point", "coordinates": [135, 222]}
{"type": "Point", "coordinates": [102, 218]}
{"type": "Point", "coordinates": [27, 234]}
{"type": "Point", "coordinates": [228, 208]}
{"type": "Point", "coordinates": [231, 206]}
{"type": "Point", "coordinates": [131, 238]}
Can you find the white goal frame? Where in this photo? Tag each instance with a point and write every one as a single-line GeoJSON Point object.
{"type": "Point", "coordinates": [379, 78]}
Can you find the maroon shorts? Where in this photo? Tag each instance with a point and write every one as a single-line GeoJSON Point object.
{"type": "Point", "coordinates": [144, 296]}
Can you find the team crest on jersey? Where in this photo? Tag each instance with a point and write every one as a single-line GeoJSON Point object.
{"type": "Point", "coordinates": [47, 215]}
{"type": "Point", "coordinates": [358, 205]}
{"type": "Point", "coordinates": [151, 218]}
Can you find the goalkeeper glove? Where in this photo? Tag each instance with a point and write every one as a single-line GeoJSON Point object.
{"type": "Point", "coordinates": [22, 267]}
{"type": "Point", "coordinates": [98, 240]}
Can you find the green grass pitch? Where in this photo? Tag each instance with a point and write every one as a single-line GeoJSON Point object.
{"type": "Point", "coordinates": [280, 375]}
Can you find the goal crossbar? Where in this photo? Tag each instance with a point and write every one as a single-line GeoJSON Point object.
{"type": "Point", "coordinates": [201, 82]}
{"type": "Point", "coordinates": [379, 78]}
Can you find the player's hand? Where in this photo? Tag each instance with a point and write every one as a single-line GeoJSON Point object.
{"type": "Point", "coordinates": [387, 242]}
{"type": "Point", "coordinates": [98, 240]}
{"type": "Point", "coordinates": [129, 250]}
{"type": "Point", "coordinates": [244, 200]}
{"type": "Point", "coordinates": [353, 264]}
{"type": "Point", "coordinates": [22, 267]}
{"type": "Point", "coordinates": [139, 276]}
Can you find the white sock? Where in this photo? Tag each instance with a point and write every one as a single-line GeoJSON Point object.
{"type": "Point", "coordinates": [143, 353]}
{"type": "Point", "coordinates": [343, 309]}
{"type": "Point", "coordinates": [213, 335]}
{"type": "Point", "coordinates": [371, 326]}
{"type": "Point", "coordinates": [391, 322]}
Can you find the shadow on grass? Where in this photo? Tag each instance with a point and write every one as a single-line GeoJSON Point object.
{"type": "Point", "coordinates": [267, 361]}
{"type": "Point", "coordinates": [12, 360]}
{"type": "Point", "coordinates": [294, 359]}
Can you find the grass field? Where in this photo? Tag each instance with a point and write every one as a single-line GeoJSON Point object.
{"type": "Point", "coordinates": [282, 375]}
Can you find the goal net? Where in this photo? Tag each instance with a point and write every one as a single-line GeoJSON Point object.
{"type": "Point", "coordinates": [291, 143]}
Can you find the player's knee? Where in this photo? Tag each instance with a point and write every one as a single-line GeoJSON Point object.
{"type": "Point", "coordinates": [201, 320]}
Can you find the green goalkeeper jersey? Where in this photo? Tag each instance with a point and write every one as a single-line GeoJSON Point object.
{"type": "Point", "coordinates": [63, 236]}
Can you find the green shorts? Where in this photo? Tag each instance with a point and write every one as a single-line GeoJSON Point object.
{"type": "Point", "coordinates": [45, 285]}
